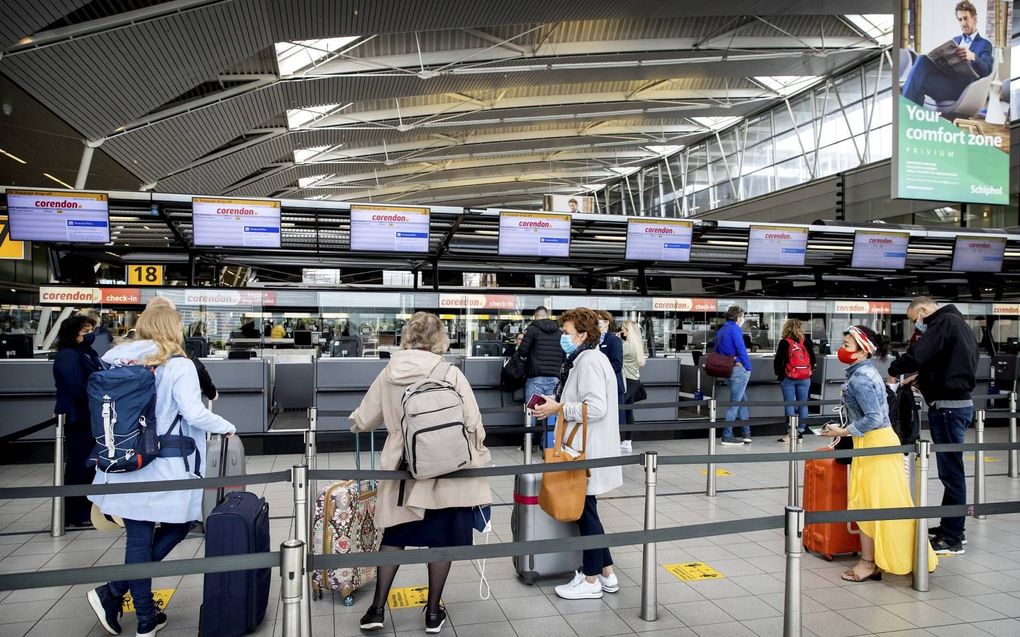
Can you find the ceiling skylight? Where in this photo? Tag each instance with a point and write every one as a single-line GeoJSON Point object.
{"type": "Point", "coordinates": [662, 151]}
{"type": "Point", "coordinates": [302, 155]}
{"type": "Point", "coordinates": [715, 123]}
{"type": "Point", "coordinates": [298, 117]}
{"type": "Point", "coordinates": [878, 26]}
{"type": "Point", "coordinates": [292, 58]}
{"type": "Point", "coordinates": [786, 85]}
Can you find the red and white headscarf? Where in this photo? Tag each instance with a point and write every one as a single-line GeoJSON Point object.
{"type": "Point", "coordinates": [862, 339]}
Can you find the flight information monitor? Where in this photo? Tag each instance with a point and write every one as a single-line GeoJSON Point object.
{"type": "Point", "coordinates": [774, 245]}
{"type": "Point", "coordinates": [880, 250]}
{"type": "Point", "coordinates": [236, 223]}
{"type": "Point", "coordinates": [659, 240]}
{"type": "Point", "coordinates": [979, 254]}
{"type": "Point", "coordinates": [62, 215]}
{"type": "Point", "coordinates": [389, 228]}
{"type": "Point", "coordinates": [534, 234]}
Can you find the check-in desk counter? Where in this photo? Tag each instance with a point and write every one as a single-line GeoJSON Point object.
{"type": "Point", "coordinates": [483, 374]}
{"type": "Point", "coordinates": [661, 380]}
{"type": "Point", "coordinates": [762, 386]}
{"type": "Point", "coordinates": [27, 396]}
{"type": "Point", "coordinates": [243, 396]}
{"type": "Point", "coordinates": [340, 384]}
{"type": "Point", "coordinates": [293, 381]}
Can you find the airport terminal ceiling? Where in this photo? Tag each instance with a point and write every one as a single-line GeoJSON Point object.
{"type": "Point", "coordinates": [489, 103]}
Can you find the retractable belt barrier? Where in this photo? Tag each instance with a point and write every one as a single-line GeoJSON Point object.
{"type": "Point", "coordinates": [156, 486]}
{"type": "Point", "coordinates": [27, 431]}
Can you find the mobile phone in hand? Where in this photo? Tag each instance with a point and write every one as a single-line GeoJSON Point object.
{"type": "Point", "coordinates": [536, 400]}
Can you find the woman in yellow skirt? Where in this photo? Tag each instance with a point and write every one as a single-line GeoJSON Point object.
{"type": "Point", "coordinates": [876, 482]}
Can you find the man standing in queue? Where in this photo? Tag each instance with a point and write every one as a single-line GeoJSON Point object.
{"type": "Point", "coordinates": [945, 358]}
{"type": "Point", "coordinates": [540, 349]}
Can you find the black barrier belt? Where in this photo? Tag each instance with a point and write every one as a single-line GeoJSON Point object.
{"type": "Point", "coordinates": [141, 570]}
{"type": "Point", "coordinates": [1001, 415]}
{"type": "Point", "coordinates": [693, 424]}
{"type": "Point", "coordinates": [973, 446]}
{"type": "Point", "coordinates": [505, 470]}
{"type": "Point", "coordinates": [28, 431]}
{"type": "Point", "coordinates": [71, 490]}
{"type": "Point", "coordinates": [911, 513]}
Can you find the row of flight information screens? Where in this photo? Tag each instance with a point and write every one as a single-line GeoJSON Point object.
{"type": "Point", "coordinates": [79, 217]}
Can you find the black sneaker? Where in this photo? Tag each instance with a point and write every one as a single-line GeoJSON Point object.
{"type": "Point", "coordinates": [732, 442]}
{"type": "Point", "coordinates": [151, 627]}
{"type": "Point", "coordinates": [434, 621]}
{"type": "Point", "coordinates": [936, 531]}
{"type": "Point", "coordinates": [374, 618]}
{"type": "Point", "coordinates": [107, 607]}
{"type": "Point", "coordinates": [942, 547]}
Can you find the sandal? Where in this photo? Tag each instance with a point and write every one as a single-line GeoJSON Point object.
{"type": "Point", "coordinates": [851, 576]}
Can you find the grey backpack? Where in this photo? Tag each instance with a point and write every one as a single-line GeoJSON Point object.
{"type": "Point", "coordinates": [436, 440]}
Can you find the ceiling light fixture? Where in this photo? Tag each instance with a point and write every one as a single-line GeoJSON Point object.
{"type": "Point", "coordinates": [62, 183]}
{"type": "Point", "coordinates": [15, 158]}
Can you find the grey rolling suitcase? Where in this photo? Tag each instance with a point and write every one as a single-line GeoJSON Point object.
{"type": "Point", "coordinates": [215, 467]}
{"type": "Point", "coordinates": [529, 522]}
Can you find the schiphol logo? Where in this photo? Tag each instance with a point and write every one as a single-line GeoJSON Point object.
{"type": "Point", "coordinates": [983, 189]}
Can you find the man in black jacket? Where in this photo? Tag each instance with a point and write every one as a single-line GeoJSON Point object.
{"type": "Point", "coordinates": [945, 359]}
{"type": "Point", "coordinates": [543, 355]}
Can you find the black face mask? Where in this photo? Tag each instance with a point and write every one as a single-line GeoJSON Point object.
{"type": "Point", "coordinates": [623, 337]}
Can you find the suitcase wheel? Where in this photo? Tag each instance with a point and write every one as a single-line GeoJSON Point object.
{"type": "Point", "coordinates": [349, 600]}
{"type": "Point", "coordinates": [827, 557]}
{"type": "Point", "coordinates": [529, 578]}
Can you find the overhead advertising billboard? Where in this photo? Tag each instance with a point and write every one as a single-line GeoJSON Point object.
{"type": "Point", "coordinates": [569, 203]}
{"type": "Point", "coordinates": [389, 228]}
{"type": "Point", "coordinates": [534, 234]}
{"type": "Point", "coordinates": [951, 118]}
{"type": "Point", "coordinates": [60, 216]}
{"type": "Point", "coordinates": [880, 250]}
{"type": "Point", "coordinates": [662, 240]}
{"type": "Point", "coordinates": [236, 223]}
{"type": "Point", "coordinates": [979, 254]}
{"type": "Point", "coordinates": [772, 245]}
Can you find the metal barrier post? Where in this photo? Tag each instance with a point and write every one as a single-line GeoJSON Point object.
{"type": "Point", "coordinates": [1014, 454]}
{"type": "Point", "coordinates": [920, 580]}
{"type": "Point", "coordinates": [310, 449]}
{"type": "Point", "coordinates": [710, 488]}
{"type": "Point", "coordinates": [649, 563]}
{"type": "Point", "coordinates": [292, 573]}
{"type": "Point", "coordinates": [794, 548]}
{"type": "Point", "coordinates": [979, 461]}
{"type": "Point", "coordinates": [529, 422]}
{"type": "Point", "coordinates": [57, 510]}
{"type": "Point", "coordinates": [793, 486]}
{"type": "Point", "coordinates": [301, 533]}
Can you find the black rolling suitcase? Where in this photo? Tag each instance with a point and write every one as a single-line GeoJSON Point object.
{"type": "Point", "coordinates": [234, 603]}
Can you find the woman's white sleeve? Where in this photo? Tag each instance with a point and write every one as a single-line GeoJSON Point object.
{"type": "Point", "coordinates": [188, 398]}
{"type": "Point", "coordinates": [591, 389]}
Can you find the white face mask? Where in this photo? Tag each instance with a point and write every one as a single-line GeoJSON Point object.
{"type": "Point", "coordinates": [740, 321]}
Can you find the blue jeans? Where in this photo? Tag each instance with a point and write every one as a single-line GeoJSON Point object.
{"type": "Point", "coordinates": [738, 394]}
{"type": "Point", "coordinates": [948, 426]}
{"type": "Point", "coordinates": [796, 390]}
{"type": "Point", "coordinates": [146, 543]}
{"type": "Point", "coordinates": [544, 386]}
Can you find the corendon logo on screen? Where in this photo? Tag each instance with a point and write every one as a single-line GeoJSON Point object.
{"type": "Point", "coordinates": [778, 235]}
{"type": "Point", "coordinates": [236, 211]}
{"type": "Point", "coordinates": [534, 224]}
{"type": "Point", "coordinates": [66, 205]}
{"type": "Point", "coordinates": [69, 296]}
{"type": "Point", "coordinates": [659, 230]}
{"type": "Point", "coordinates": [880, 241]}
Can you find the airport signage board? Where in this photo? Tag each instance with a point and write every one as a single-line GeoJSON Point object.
{"type": "Point", "coordinates": [979, 254]}
{"type": "Point", "coordinates": [1006, 309]}
{"type": "Point", "coordinates": [862, 307]}
{"type": "Point", "coordinates": [9, 248]}
{"type": "Point", "coordinates": [389, 229]}
{"type": "Point", "coordinates": [880, 250]}
{"type": "Point", "coordinates": [950, 126]}
{"type": "Point", "coordinates": [667, 304]}
{"type": "Point", "coordinates": [121, 296]}
{"type": "Point", "coordinates": [229, 297]}
{"type": "Point", "coordinates": [51, 295]}
{"type": "Point", "coordinates": [534, 234]}
{"type": "Point", "coordinates": [236, 223]}
{"type": "Point", "coordinates": [774, 245]}
{"type": "Point", "coordinates": [649, 240]}
{"type": "Point", "coordinates": [479, 301]}
{"type": "Point", "coordinates": [59, 216]}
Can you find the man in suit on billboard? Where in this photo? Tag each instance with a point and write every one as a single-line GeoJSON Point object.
{"type": "Point", "coordinates": [926, 78]}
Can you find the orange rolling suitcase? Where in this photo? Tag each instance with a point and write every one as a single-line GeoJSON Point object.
{"type": "Point", "coordinates": [825, 489]}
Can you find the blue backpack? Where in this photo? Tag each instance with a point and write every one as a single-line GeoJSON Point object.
{"type": "Point", "coordinates": [122, 405]}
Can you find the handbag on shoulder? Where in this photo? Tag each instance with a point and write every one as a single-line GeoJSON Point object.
{"type": "Point", "coordinates": [563, 492]}
{"type": "Point", "coordinates": [719, 365]}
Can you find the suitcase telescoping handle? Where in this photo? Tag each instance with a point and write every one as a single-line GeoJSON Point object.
{"type": "Point", "coordinates": [357, 455]}
{"type": "Point", "coordinates": [224, 441]}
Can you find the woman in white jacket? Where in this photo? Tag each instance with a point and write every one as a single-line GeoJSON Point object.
{"type": "Point", "coordinates": [177, 392]}
{"type": "Point", "coordinates": [588, 378]}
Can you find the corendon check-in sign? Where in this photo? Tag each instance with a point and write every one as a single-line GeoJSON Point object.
{"type": "Point", "coordinates": [479, 301]}
{"type": "Point", "coordinates": [89, 296]}
{"type": "Point", "coordinates": [862, 307]}
{"type": "Point", "coordinates": [684, 305]}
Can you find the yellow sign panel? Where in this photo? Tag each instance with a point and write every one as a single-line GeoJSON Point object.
{"type": "Point", "coordinates": [970, 457]}
{"type": "Point", "coordinates": [160, 597]}
{"type": "Point", "coordinates": [693, 571]}
{"type": "Point", "coordinates": [142, 274]}
{"type": "Point", "coordinates": [412, 597]}
{"type": "Point", "coordinates": [718, 472]}
{"type": "Point", "coordinates": [9, 248]}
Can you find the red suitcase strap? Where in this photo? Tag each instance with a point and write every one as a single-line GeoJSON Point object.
{"type": "Point", "coordinates": [525, 499]}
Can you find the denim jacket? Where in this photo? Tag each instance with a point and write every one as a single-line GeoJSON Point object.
{"type": "Point", "coordinates": [865, 399]}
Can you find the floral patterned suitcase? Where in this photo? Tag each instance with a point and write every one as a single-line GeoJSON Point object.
{"type": "Point", "coordinates": [345, 523]}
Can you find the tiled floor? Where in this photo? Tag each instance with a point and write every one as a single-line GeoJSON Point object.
{"type": "Point", "coordinates": [972, 595]}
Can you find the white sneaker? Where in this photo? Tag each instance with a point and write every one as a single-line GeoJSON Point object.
{"type": "Point", "coordinates": [580, 590]}
{"type": "Point", "coordinates": [609, 584]}
{"type": "Point", "coordinates": [626, 446]}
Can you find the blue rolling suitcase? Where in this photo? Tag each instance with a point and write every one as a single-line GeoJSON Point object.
{"type": "Point", "coordinates": [234, 603]}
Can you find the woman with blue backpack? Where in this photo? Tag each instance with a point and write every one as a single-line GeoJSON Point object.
{"type": "Point", "coordinates": [76, 360]}
{"type": "Point", "coordinates": [181, 422]}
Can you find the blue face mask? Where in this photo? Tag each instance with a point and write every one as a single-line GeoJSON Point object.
{"type": "Point", "coordinates": [920, 325]}
{"type": "Point", "coordinates": [567, 344]}
{"type": "Point", "coordinates": [89, 338]}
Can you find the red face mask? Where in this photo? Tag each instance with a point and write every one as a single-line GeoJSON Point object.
{"type": "Point", "coordinates": [846, 356]}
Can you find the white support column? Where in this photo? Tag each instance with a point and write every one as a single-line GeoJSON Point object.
{"type": "Point", "coordinates": [86, 163]}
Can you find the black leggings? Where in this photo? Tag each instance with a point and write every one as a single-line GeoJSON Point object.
{"type": "Point", "coordinates": [589, 524]}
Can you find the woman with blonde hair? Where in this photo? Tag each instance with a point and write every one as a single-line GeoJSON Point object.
{"type": "Point", "coordinates": [794, 363]}
{"type": "Point", "coordinates": [431, 513]}
{"type": "Point", "coordinates": [159, 344]}
{"type": "Point", "coordinates": [633, 361]}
